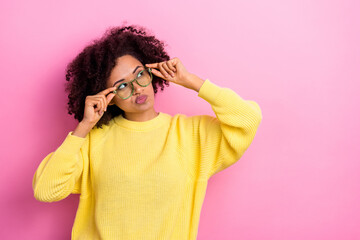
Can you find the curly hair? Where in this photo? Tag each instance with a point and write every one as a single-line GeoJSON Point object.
{"type": "Point", "coordinates": [88, 73]}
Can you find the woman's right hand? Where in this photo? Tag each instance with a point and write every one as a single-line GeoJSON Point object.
{"type": "Point", "coordinates": [96, 105]}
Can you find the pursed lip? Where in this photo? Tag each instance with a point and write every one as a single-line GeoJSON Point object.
{"type": "Point", "coordinates": [140, 96]}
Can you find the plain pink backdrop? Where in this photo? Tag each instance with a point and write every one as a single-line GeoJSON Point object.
{"type": "Point", "coordinates": [299, 60]}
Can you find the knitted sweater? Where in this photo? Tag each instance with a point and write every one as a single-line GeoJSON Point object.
{"type": "Point", "coordinates": [147, 180]}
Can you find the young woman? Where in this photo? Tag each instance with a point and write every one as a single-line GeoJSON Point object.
{"type": "Point", "coordinates": [140, 173]}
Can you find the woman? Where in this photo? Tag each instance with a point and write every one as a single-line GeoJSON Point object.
{"type": "Point", "coordinates": [141, 174]}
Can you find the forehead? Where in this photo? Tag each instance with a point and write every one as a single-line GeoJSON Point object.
{"type": "Point", "coordinates": [126, 61]}
{"type": "Point", "coordinates": [124, 68]}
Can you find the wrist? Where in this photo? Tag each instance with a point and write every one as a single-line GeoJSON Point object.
{"type": "Point", "coordinates": [82, 129]}
{"type": "Point", "coordinates": [195, 82]}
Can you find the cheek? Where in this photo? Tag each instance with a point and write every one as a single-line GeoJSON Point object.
{"type": "Point", "coordinates": [151, 91]}
{"type": "Point", "coordinates": [122, 104]}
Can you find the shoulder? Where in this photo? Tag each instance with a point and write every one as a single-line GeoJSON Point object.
{"type": "Point", "coordinates": [181, 118]}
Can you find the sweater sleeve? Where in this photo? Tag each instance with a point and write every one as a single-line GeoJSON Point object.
{"type": "Point", "coordinates": [224, 139]}
{"type": "Point", "coordinates": [60, 172]}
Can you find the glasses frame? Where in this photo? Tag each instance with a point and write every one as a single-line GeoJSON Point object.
{"type": "Point", "coordinates": [132, 85]}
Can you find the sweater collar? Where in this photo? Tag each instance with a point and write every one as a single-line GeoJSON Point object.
{"type": "Point", "coordinates": [154, 123]}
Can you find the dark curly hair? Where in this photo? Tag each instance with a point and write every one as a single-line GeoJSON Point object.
{"type": "Point", "coordinates": [88, 73]}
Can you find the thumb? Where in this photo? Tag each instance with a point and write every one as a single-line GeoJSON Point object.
{"type": "Point", "coordinates": [109, 97]}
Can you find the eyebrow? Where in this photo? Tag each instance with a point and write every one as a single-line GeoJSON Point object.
{"type": "Point", "coordinates": [123, 78]}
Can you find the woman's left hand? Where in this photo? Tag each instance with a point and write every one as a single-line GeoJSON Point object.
{"type": "Point", "coordinates": [174, 71]}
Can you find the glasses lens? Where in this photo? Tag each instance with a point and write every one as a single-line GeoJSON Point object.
{"type": "Point", "coordinates": [144, 77]}
{"type": "Point", "coordinates": [123, 89]}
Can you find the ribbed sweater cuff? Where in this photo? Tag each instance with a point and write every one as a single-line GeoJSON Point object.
{"type": "Point", "coordinates": [72, 143]}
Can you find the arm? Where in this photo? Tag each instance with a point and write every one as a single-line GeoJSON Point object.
{"type": "Point", "coordinates": [59, 173]}
{"type": "Point", "coordinates": [224, 139]}
{"type": "Point", "coordinates": [217, 142]}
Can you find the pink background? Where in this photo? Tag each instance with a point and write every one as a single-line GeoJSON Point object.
{"type": "Point", "coordinates": [298, 59]}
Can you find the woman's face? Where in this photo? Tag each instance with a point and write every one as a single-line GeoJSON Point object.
{"type": "Point", "coordinates": [127, 68]}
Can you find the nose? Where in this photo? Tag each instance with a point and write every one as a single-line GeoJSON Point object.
{"type": "Point", "coordinates": [137, 87]}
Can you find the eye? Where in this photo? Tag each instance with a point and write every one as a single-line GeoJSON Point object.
{"type": "Point", "coordinates": [122, 86]}
{"type": "Point", "coordinates": [140, 73]}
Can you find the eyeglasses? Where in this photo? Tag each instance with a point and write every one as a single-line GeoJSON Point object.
{"type": "Point", "coordinates": [126, 89]}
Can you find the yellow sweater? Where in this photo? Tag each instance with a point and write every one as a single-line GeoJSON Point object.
{"type": "Point", "coordinates": [147, 180]}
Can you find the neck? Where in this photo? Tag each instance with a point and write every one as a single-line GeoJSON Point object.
{"type": "Point", "coordinates": [141, 116]}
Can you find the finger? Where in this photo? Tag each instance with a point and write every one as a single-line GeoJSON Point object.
{"type": "Point", "coordinates": [99, 101]}
{"type": "Point", "coordinates": [103, 100]}
{"type": "Point", "coordinates": [93, 103]}
{"type": "Point", "coordinates": [109, 97]}
{"type": "Point", "coordinates": [157, 73]}
{"type": "Point", "coordinates": [167, 69]}
{"type": "Point", "coordinates": [98, 105]}
{"type": "Point", "coordinates": [170, 68]}
{"type": "Point", "coordinates": [106, 91]}
{"type": "Point", "coordinates": [171, 65]}
{"type": "Point", "coordinates": [153, 65]}
{"type": "Point", "coordinates": [163, 71]}
{"type": "Point", "coordinates": [90, 103]}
